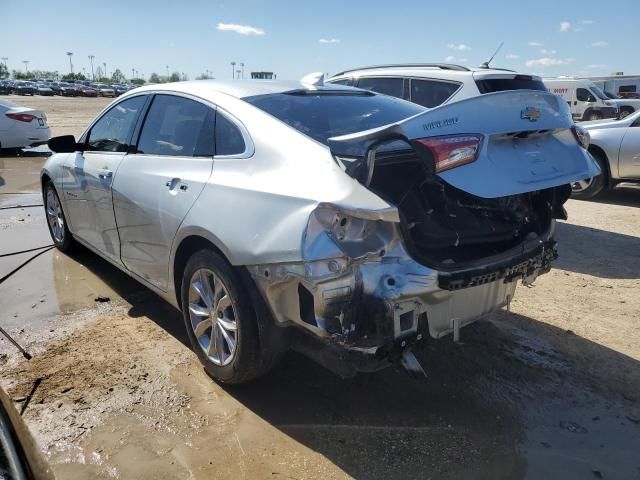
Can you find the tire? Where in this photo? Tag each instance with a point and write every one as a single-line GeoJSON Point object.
{"type": "Point", "coordinates": [594, 115]}
{"type": "Point", "coordinates": [624, 112]}
{"type": "Point", "coordinates": [206, 281]}
{"type": "Point", "coordinates": [56, 220]}
{"type": "Point", "coordinates": [591, 187]}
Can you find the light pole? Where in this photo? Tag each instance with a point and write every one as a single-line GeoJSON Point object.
{"type": "Point", "coordinates": [242, 67]}
{"type": "Point", "coordinates": [167, 71]}
{"type": "Point", "coordinates": [233, 70]}
{"type": "Point", "coordinates": [26, 65]}
{"type": "Point", "coordinates": [93, 76]}
{"type": "Point", "coordinates": [70, 54]}
{"type": "Point", "coordinates": [104, 64]}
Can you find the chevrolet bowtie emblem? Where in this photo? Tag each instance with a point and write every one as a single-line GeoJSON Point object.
{"type": "Point", "coordinates": [530, 113]}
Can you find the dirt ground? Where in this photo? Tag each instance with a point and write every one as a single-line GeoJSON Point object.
{"type": "Point", "coordinates": [549, 389]}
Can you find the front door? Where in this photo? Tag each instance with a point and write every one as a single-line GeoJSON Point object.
{"type": "Point", "coordinates": [88, 181]}
{"type": "Point", "coordinates": [629, 163]}
{"type": "Point", "coordinates": [157, 185]}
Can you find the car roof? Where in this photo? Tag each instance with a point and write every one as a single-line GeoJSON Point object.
{"type": "Point", "coordinates": [239, 88]}
{"type": "Point", "coordinates": [432, 70]}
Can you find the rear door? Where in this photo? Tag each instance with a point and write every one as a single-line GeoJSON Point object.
{"type": "Point", "coordinates": [89, 175]}
{"type": "Point", "coordinates": [158, 183]}
{"type": "Point", "coordinates": [629, 164]}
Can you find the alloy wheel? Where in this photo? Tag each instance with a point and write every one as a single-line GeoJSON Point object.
{"type": "Point", "coordinates": [54, 215]}
{"type": "Point", "coordinates": [213, 316]}
{"type": "Point", "coordinates": [581, 185]}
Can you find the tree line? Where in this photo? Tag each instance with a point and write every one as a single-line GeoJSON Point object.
{"type": "Point", "coordinates": [116, 77]}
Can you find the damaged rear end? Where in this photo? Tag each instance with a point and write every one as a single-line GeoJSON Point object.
{"type": "Point", "coordinates": [474, 189]}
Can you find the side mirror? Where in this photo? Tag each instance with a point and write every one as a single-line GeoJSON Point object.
{"type": "Point", "coordinates": [63, 144]}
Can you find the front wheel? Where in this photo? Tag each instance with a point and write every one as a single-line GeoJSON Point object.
{"type": "Point", "coordinates": [56, 221]}
{"type": "Point", "coordinates": [590, 187]}
{"type": "Point", "coordinates": [221, 320]}
{"type": "Point", "coordinates": [625, 112]}
{"type": "Point", "coordinates": [594, 115]}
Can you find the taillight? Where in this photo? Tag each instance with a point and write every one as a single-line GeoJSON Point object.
{"type": "Point", "coordinates": [581, 135]}
{"type": "Point", "coordinates": [21, 117]}
{"type": "Point", "coordinates": [452, 151]}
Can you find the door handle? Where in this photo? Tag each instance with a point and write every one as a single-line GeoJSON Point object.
{"type": "Point", "coordinates": [105, 173]}
{"type": "Point", "coordinates": [175, 182]}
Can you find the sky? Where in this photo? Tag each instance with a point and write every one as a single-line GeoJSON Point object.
{"type": "Point", "coordinates": [292, 39]}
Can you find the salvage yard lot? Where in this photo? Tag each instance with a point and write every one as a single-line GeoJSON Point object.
{"type": "Point", "coordinates": [550, 388]}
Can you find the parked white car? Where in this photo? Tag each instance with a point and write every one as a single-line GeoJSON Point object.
{"type": "Point", "coordinates": [434, 84]}
{"type": "Point", "coordinates": [22, 126]}
{"type": "Point", "coordinates": [615, 145]}
{"type": "Point", "coordinates": [585, 99]}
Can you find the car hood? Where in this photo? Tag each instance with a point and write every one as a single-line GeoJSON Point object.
{"type": "Point", "coordinates": [527, 142]}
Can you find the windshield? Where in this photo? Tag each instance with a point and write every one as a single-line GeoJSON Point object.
{"type": "Point", "coordinates": [611, 95]}
{"type": "Point", "coordinates": [329, 114]}
{"type": "Point", "coordinates": [598, 92]}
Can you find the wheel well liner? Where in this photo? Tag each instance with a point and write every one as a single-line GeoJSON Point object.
{"type": "Point", "coordinates": [598, 152]}
{"type": "Point", "coordinates": [43, 180]}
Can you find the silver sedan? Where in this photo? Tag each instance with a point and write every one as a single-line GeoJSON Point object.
{"type": "Point", "coordinates": [615, 145]}
{"type": "Point", "coordinates": [343, 223]}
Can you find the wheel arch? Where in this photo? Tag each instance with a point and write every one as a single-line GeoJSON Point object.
{"type": "Point", "coordinates": [585, 114]}
{"type": "Point", "coordinates": [597, 151]}
{"type": "Point", "coordinates": [187, 246]}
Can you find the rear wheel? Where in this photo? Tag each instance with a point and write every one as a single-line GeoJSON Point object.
{"type": "Point", "coordinates": [221, 320]}
{"type": "Point", "coordinates": [56, 220]}
{"type": "Point", "coordinates": [590, 187]}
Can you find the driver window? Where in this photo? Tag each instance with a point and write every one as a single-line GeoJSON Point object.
{"type": "Point", "coordinates": [584, 95]}
{"type": "Point", "coordinates": [111, 132]}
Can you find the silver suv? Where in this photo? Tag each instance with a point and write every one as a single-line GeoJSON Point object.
{"type": "Point", "coordinates": [433, 84]}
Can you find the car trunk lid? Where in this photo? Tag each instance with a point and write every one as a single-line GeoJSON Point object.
{"type": "Point", "coordinates": [527, 143]}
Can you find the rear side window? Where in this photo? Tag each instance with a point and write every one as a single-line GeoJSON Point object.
{"type": "Point", "coordinates": [518, 82]}
{"type": "Point", "coordinates": [229, 139]}
{"type": "Point", "coordinates": [177, 126]}
{"type": "Point", "coordinates": [111, 132]}
{"type": "Point", "coordinates": [431, 93]}
{"type": "Point", "coordinates": [387, 85]}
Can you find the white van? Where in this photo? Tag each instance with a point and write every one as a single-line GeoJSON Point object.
{"type": "Point", "coordinates": [586, 100]}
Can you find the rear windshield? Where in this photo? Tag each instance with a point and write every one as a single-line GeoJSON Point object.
{"type": "Point", "coordinates": [329, 114]}
{"type": "Point", "coordinates": [491, 85]}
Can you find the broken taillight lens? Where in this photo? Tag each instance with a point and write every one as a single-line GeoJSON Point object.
{"type": "Point", "coordinates": [452, 150]}
{"type": "Point", "coordinates": [581, 135]}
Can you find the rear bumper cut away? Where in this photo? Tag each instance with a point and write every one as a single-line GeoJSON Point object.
{"type": "Point", "coordinates": [375, 309]}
